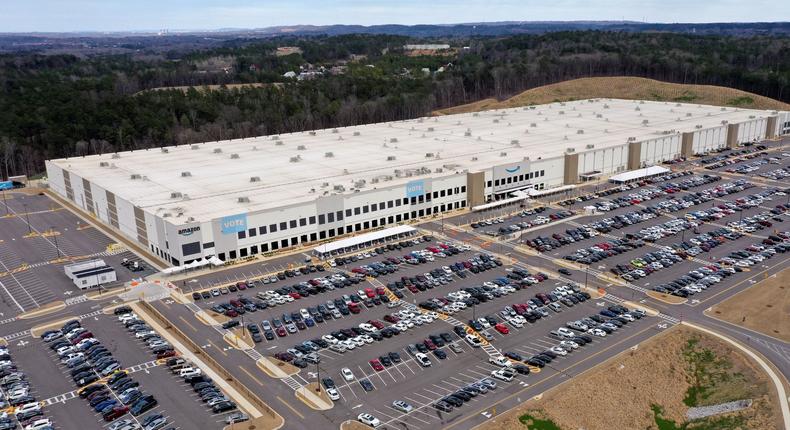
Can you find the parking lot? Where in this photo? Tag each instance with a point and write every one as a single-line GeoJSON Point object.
{"type": "Point", "coordinates": [37, 239]}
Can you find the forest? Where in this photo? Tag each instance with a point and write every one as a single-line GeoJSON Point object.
{"type": "Point", "coordinates": [61, 105]}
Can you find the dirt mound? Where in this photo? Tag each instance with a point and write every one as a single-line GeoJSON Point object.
{"type": "Point", "coordinates": [622, 87]}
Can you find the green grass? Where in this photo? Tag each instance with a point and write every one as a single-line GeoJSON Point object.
{"type": "Point", "coordinates": [712, 380]}
{"type": "Point", "coordinates": [741, 101]}
{"type": "Point", "coordinates": [710, 423]}
{"type": "Point", "coordinates": [533, 423]}
{"type": "Point", "coordinates": [686, 97]}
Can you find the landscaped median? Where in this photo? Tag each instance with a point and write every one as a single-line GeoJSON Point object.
{"type": "Point", "coordinates": [314, 396]}
{"type": "Point", "coordinates": [276, 368]}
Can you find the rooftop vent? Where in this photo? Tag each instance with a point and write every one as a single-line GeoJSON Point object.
{"type": "Point", "coordinates": [394, 140]}
{"type": "Point", "coordinates": [598, 115]}
{"type": "Point", "coordinates": [644, 122]}
{"type": "Point", "coordinates": [570, 150]}
{"type": "Point", "coordinates": [194, 147]}
{"type": "Point", "coordinates": [533, 125]}
{"type": "Point", "coordinates": [296, 159]}
{"type": "Point", "coordinates": [243, 200]}
{"type": "Point", "coordinates": [166, 215]}
{"type": "Point", "coordinates": [176, 195]}
{"type": "Point", "coordinates": [165, 150]}
{"type": "Point", "coordinates": [329, 154]}
{"type": "Point", "coordinates": [468, 133]}
{"type": "Point", "coordinates": [589, 146]}
{"type": "Point", "coordinates": [312, 133]}
{"type": "Point", "coordinates": [752, 117]}
{"type": "Point", "coordinates": [255, 178]}
{"type": "Point", "coordinates": [503, 154]}
{"type": "Point", "coordinates": [339, 188]}
{"type": "Point", "coordinates": [217, 150]}
{"type": "Point", "coordinates": [637, 109]}
{"type": "Point", "coordinates": [606, 106]}
{"type": "Point", "coordinates": [474, 158]}
{"type": "Point", "coordinates": [104, 164]}
{"type": "Point", "coordinates": [475, 114]}
{"type": "Point", "coordinates": [698, 126]}
{"type": "Point", "coordinates": [431, 129]}
{"type": "Point", "coordinates": [562, 112]}
{"type": "Point", "coordinates": [496, 120]}
{"type": "Point", "coordinates": [186, 174]}
{"type": "Point", "coordinates": [135, 176]}
{"type": "Point", "coordinates": [429, 155]}
{"type": "Point", "coordinates": [116, 156]}
{"type": "Point", "coordinates": [688, 114]}
{"type": "Point", "coordinates": [356, 133]}
{"type": "Point", "coordinates": [300, 148]}
{"type": "Point", "coordinates": [234, 156]}
{"type": "Point", "coordinates": [723, 109]}
{"type": "Point", "coordinates": [335, 131]}
{"type": "Point", "coordinates": [390, 158]}
{"type": "Point", "coordinates": [579, 131]}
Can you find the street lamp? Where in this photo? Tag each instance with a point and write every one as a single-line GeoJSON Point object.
{"type": "Point", "coordinates": [55, 236]}
{"type": "Point", "coordinates": [27, 217]}
{"type": "Point", "coordinates": [5, 202]}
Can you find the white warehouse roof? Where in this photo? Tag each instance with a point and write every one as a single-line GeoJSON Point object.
{"type": "Point", "coordinates": [638, 174]}
{"type": "Point", "coordinates": [215, 179]}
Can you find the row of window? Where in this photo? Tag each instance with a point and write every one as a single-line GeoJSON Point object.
{"type": "Point", "coordinates": [517, 178]}
{"type": "Point", "coordinates": [333, 232]}
{"type": "Point", "coordinates": [339, 215]}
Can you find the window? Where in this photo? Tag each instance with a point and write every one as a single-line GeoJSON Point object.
{"type": "Point", "coordinates": [242, 234]}
{"type": "Point", "coordinates": [284, 243]}
{"type": "Point", "coordinates": [294, 241]}
{"type": "Point", "coordinates": [313, 237]}
{"type": "Point", "coordinates": [421, 199]}
{"type": "Point", "coordinates": [449, 191]}
{"type": "Point", "coordinates": [530, 175]}
{"type": "Point", "coordinates": [283, 225]}
{"type": "Point", "coordinates": [397, 218]}
{"type": "Point", "coordinates": [422, 212]}
{"type": "Point", "coordinates": [406, 216]}
{"type": "Point", "coordinates": [331, 232]}
{"type": "Point", "coordinates": [190, 248]}
{"type": "Point", "coordinates": [273, 228]}
{"type": "Point", "coordinates": [365, 209]}
{"type": "Point", "coordinates": [348, 212]}
{"type": "Point", "coordinates": [443, 193]}
{"type": "Point", "coordinates": [264, 247]}
{"type": "Point", "coordinates": [509, 180]}
{"type": "Point", "coordinates": [374, 207]}
{"type": "Point", "coordinates": [206, 245]}
{"type": "Point", "coordinates": [381, 206]}
{"type": "Point", "coordinates": [321, 219]}
{"type": "Point", "coordinates": [262, 230]}
{"type": "Point", "coordinates": [303, 238]}
{"type": "Point", "coordinates": [339, 215]}
{"type": "Point", "coordinates": [375, 223]}
{"type": "Point", "coordinates": [428, 197]}
{"type": "Point", "coordinates": [366, 224]}
{"type": "Point", "coordinates": [312, 220]}
{"type": "Point", "coordinates": [435, 194]}
{"type": "Point", "coordinates": [252, 232]}
{"type": "Point", "coordinates": [330, 217]}
{"type": "Point", "coordinates": [405, 201]}
{"type": "Point", "coordinates": [542, 173]}
{"type": "Point", "coordinates": [398, 202]}
{"type": "Point", "coordinates": [292, 223]}
{"type": "Point", "coordinates": [254, 249]}
{"type": "Point", "coordinates": [496, 182]}
{"type": "Point", "coordinates": [322, 235]}
{"type": "Point", "coordinates": [390, 219]}
{"type": "Point", "coordinates": [302, 222]}
{"type": "Point", "coordinates": [463, 188]}
{"type": "Point", "coordinates": [356, 211]}
{"type": "Point", "coordinates": [488, 184]}
{"type": "Point", "coordinates": [414, 200]}
{"type": "Point", "coordinates": [456, 190]}
{"type": "Point", "coordinates": [232, 255]}
{"type": "Point", "coordinates": [221, 256]}
{"type": "Point", "coordinates": [389, 204]}
{"type": "Point", "coordinates": [243, 252]}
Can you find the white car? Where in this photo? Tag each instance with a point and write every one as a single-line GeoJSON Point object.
{"type": "Point", "coordinates": [515, 323]}
{"type": "Point", "coordinates": [328, 338]}
{"type": "Point", "coordinates": [596, 332]}
{"type": "Point", "coordinates": [348, 375]}
{"type": "Point", "coordinates": [503, 375]}
{"type": "Point", "coordinates": [333, 393]}
{"type": "Point", "coordinates": [559, 351]}
{"type": "Point", "coordinates": [500, 361]}
{"type": "Point", "coordinates": [367, 327]}
{"type": "Point", "coordinates": [28, 407]}
{"type": "Point", "coordinates": [349, 344]}
{"type": "Point", "coordinates": [569, 345]}
{"type": "Point", "coordinates": [422, 359]}
{"type": "Point", "coordinates": [42, 423]}
{"type": "Point", "coordinates": [402, 406]}
{"type": "Point", "coordinates": [473, 340]}
{"type": "Point", "coordinates": [189, 372]}
{"type": "Point", "coordinates": [303, 312]}
{"type": "Point", "coordinates": [368, 419]}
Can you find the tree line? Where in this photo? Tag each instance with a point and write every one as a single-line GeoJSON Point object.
{"type": "Point", "coordinates": [62, 105]}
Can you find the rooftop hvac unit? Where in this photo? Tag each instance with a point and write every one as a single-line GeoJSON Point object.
{"type": "Point", "coordinates": [217, 150]}
{"type": "Point", "coordinates": [191, 219]}
{"type": "Point", "coordinates": [390, 158]}
{"type": "Point", "coordinates": [335, 131]}
{"type": "Point", "coordinates": [698, 126]}
{"type": "Point", "coordinates": [374, 181]}
{"type": "Point", "coordinates": [194, 147]}
{"type": "Point", "coordinates": [678, 105]}
{"type": "Point", "coordinates": [565, 137]}
{"type": "Point", "coordinates": [724, 122]}
{"type": "Point", "coordinates": [496, 120]}
{"type": "Point", "coordinates": [104, 164]}
{"type": "Point", "coordinates": [475, 114]}
{"type": "Point", "coordinates": [562, 112]}
{"type": "Point", "coordinates": [438, 170]}
{"type": "Point", "coordinates": [632, 139]}
{"type": "Point", "coordinates": [329, 154]}
{"type": "Point", "coordinates": [688, 114]}
{"type": "Point", "coordinates": [116, 156]}
{"type": "Point", "coordinates": [324, 184]}
{"type": "Point", "coordinates": [389, 177]}
{"type": "Point", "coordinates": [468, 133]}
{"type": "Point", "coordinates": [644, 122]}
{"type": "Point", "coordinates": [339, 188]}
{"type": "Point", "coordinates": [420, 120]}
{"type": "Point", "coordinates": [243, 200]}
{"type": "Point", "coordinates": [166, 215]}
{"type": "Point", "coordinates": [255, 178]}
{"type": "Point", "coordinates": [514, 142]}
{"type": "Point", "coordinates": [394, 140]}
{"type": "Point", "coordinates": [254, 148]}
{"type": "Point", "coordinates": [186, 174]}
{"type": "Point", "coordinates": [532, 107]}
{"type": "Point", "coordinates": [135, 176]}
{"type": "Point", "coordinates": [360, 183]}
{"type": "Point", "coordinates": [275, 137]}
{"type": "Point", "coordinates": [533, 125]}
{"type": "Point", "coordinates": [474, 158]}
{"type": "Point", "coordinates": [429, 155]}
{"type": "Point", "coordinates": [590, 146]}
{"type": "Point", "coordinates": [165, 150]}
{"type": "Point", "coordinates": [312, 133]}
{"type": "Point", "coordinates": [431, 129]}
{"type": "Point", "coordinates": [752, 117]}
{"type": "Point", "coordinates": [723, 109]}
{"type": "Point", "coordinates": [356, 133]}
{"type": "Point", "coordinates": [570, 150]}
{"type": "Point", "coordinates": [637, 109]}
{"type": "Point", "coordinates": [503, 154]}
{"type": "Point", "coordinates": [175, 195]}
{"type": "Point", "coordinates": [606, 106]}
{"type": "Point", "coordinates": [300, 148]}
{"type": "Point", "coordinates": [234, 156]}
{"type": "Point", "coordinates": [279, 143]}
{"type": "Point", "coordinates": [295, 159]}
{"type": "Point", "coordinates": [598, 115]}
{"type": "Point", "coordinates": [580, 131]}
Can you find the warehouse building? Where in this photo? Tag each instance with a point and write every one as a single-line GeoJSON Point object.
{"type": "Point", "coordinates": [238, 198]}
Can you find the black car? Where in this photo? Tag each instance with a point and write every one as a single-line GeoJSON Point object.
{"type": "Point", "coordinates": [328, 382]}
{"type": "Point", "coordinates": [366, 385]}
{"type": "Point", "coordinates": [440, 354]}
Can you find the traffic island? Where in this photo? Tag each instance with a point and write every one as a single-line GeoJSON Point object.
{"type": "Point", "coordinates": [276, 368]}
{"type": "Point", "coordinates": [238, 338]}
{"type": "Point", "coordinates": [44, 310]}
{"type": "Point", "coordinates": [353, 425]}
{"type": "Point", "coordinates": [667, 298]}
{"type": "Point", "coordinates": [38, 330]}
{"type": "Point", "coordinates": [260, 423]}
{"type": "Point", "coordinates": [314, 396]}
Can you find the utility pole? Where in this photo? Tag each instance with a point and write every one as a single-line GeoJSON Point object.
{"type": "Point", "coordinates": [317, 378]}
{"type": "Point", "coordinates": [55, 236]}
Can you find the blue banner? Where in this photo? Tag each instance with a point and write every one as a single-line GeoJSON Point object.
{"type": "Point", "coordinates": [233, 224]}
{"type": "Point", "coordinates": [415, 188]}
{"type": "Point", "coordinates": [6, 185]}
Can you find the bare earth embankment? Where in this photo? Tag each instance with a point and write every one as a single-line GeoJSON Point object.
{"type": "Point", "coordinates": [652, 388]}
{"type": "Point", "coordinates": [764, 307]}
{"type": "Point", "coordinates": [625, 88]}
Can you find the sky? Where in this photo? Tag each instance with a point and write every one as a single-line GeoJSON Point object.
{"type": "Point", "coordinates": [141, 15]}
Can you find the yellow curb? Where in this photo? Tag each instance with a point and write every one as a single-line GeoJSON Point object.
{"type": "Point", "coordinates": [667, 298]}
{"type": "Point", "coordinates": [38, 330]}
{"type": "Point", "coordinates": [29, 235]}
{"type": "Point", "coordinates": [301, 395]}
{"type": "Point", "coordinates": [236, 341]}
{"type": "Point", "coordinates": [275, 368]}
{"type": "Point", "coordinates": [3, 342]}
{"type": "Point", "coordinates": [47, 309]}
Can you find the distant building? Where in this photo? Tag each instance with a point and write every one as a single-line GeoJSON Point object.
{"type": "Point", "coordinates": [426, 47]}
{"type": "Point", "coordinates": [289, 74]}
{"type": "Point", "coordinates": [90, 274]}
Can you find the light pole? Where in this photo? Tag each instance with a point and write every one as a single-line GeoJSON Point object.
{"type": "Point", "coordinates": [55, 236]}
{"type": "Point", "coordinates": [5, 202]}
{"type": "Point", "coordinates": [317, 378]}
{"type": "Point", "coordinates": [27, 217]}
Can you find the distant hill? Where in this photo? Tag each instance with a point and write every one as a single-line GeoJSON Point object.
{"type": "Point", "coordinates": [621, 87]}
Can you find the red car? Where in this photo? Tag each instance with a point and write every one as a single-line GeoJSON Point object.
{"type": "Point", "coordinates": [281, 332]}
{"type": "Point", "coordinates": [376, 323]}
{"type": "Point", "coordinates": [413, 289]}
{"type": "Point", "coordinates": [115, 413]}
{"type": "Point", "coordinates": [370, 293]}
{"type": "Point", "coordinates": [231, 313]}
{"type": "Point", "coordinates": [295, 295]}
{"type": "Point", "coordinates": [376, 365]}
{"type": "Point", "coordinates": [429, 344]}
{"type": "Point", "coordinates": [502, 328]}
{"type": "Point", "coordinates": [380, 291]}
{"type": "Point", "coordinates": [391, 318]}
{"type": "Point", "coordinates": [168, 353]}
